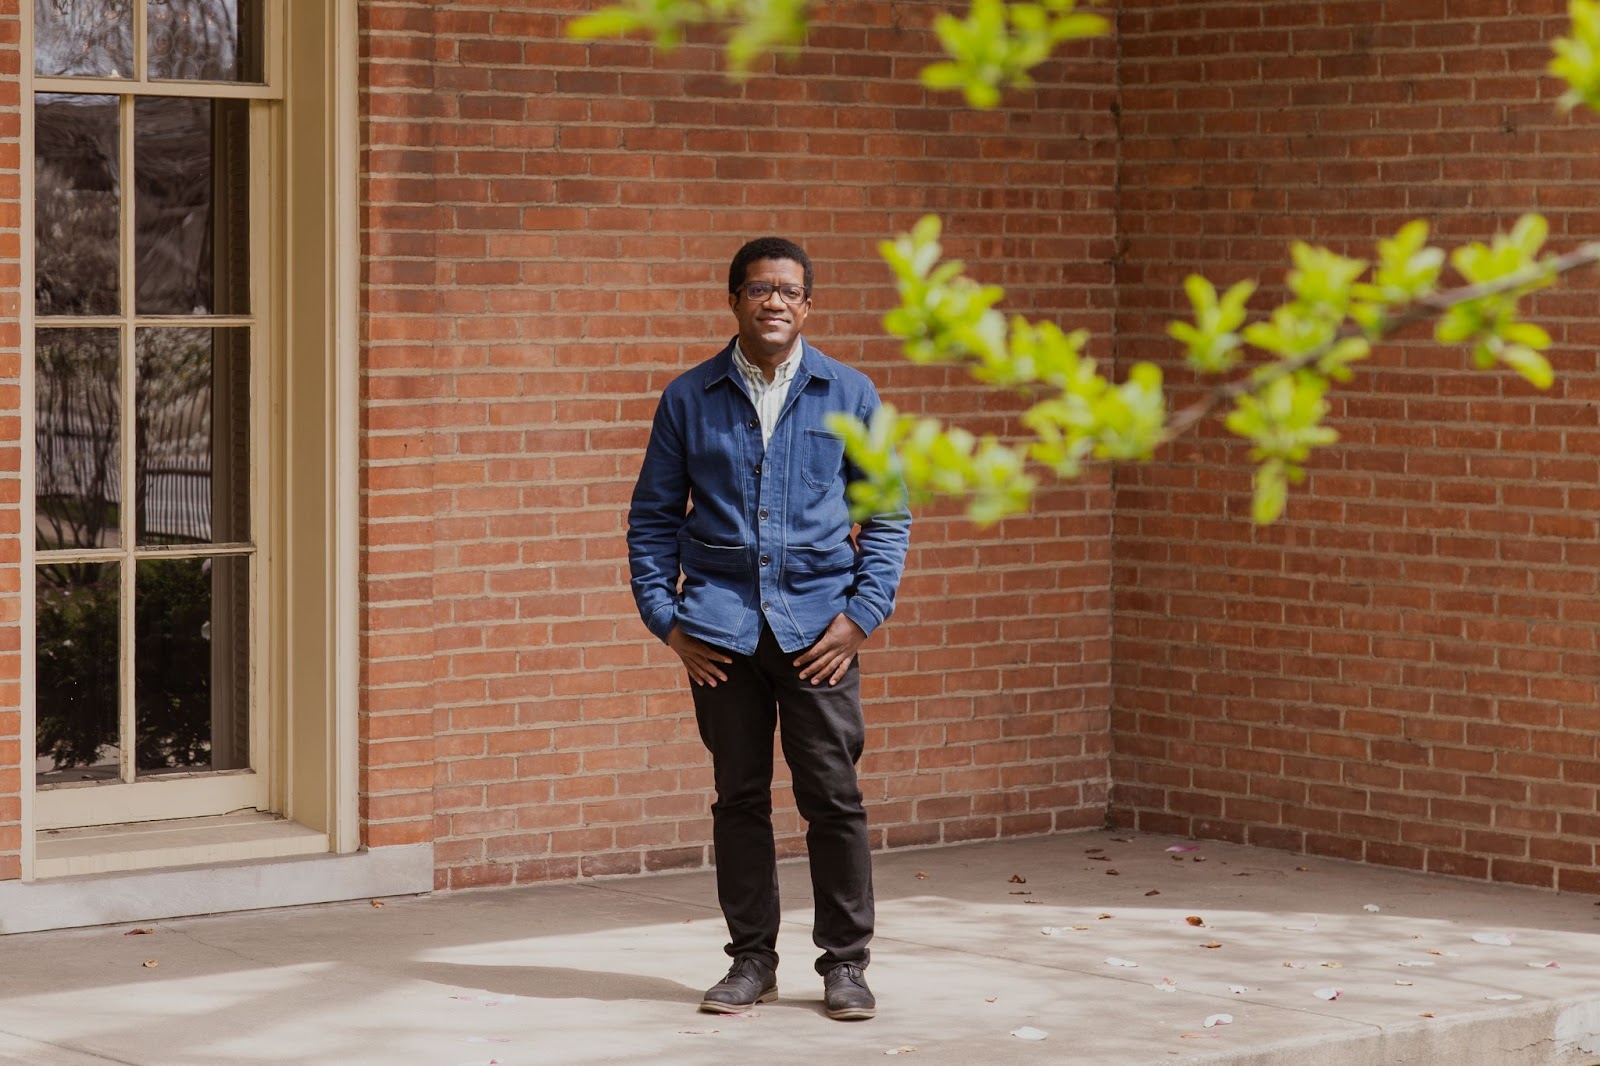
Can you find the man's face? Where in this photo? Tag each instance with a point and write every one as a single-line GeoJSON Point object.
{"type": "Point", "coordinates": [768, 326]}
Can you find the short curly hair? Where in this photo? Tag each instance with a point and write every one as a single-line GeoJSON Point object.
{"type": "Point", "coordinates": [766, 248]}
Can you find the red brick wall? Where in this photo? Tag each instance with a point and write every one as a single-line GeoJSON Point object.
{"type": "Point", "coordinates": [10, 445]}
{"type": "Point", "coordinates": [1403, 671]}
{"type": "Point", "coordinates": [548, 229]}
{"type": "Point", "coordinates": [406, 361]}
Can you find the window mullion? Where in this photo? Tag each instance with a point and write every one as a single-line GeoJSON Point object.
{"type": "Point", "coordinates": [140, 60]}
{"type": "Point", "coordinates": [127, 518]}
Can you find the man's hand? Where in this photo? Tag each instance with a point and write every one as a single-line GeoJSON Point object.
{"type": "Point", "coordinates": [698, 657]}
{"type": "Point", "coordinates": [830, 656]}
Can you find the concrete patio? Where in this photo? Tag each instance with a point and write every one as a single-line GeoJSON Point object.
{"type": "Point", "coordinates": [976, 943]}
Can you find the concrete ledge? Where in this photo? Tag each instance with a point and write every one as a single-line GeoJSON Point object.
{"type": "Point", "coordinates": [148, 895]}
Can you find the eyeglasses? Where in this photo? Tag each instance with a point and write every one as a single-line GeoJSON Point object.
{"type": "Point", "coordinates": [758, 291]}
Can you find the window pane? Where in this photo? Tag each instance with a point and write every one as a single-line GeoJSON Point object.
{"type": "Point", "coordinates": [77, 187]}
{"type": "Point", "coordinates": [93, 38]}
{"type": "Point", "coordinates": [78, 668]}
{"type": "Point", "coordinates": [193, 404]}
{"type": "Point", "coordinates": [77, 439]}
{"type": "Point", "coordinates": [206, 40]}
{"type": "Point", "coordinates": [191, 652]}
{"type": "Point", "coordinates": [191, 219]}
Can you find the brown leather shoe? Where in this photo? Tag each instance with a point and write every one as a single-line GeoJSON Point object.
{"type": "Point", "coordinates": [846, 995]}
{"type": "Point", "coordinates": [750, 981]}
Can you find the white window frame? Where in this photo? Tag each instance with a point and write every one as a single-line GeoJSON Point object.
{"type": "Point", "coordinates": [309, 732]}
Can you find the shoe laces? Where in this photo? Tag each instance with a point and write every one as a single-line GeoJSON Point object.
{"type": "Point", "coordinates": [741, 964]}
{"type": "Point", "coordinates": [846, 971]}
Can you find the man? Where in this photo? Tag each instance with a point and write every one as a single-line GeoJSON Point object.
{"type": "Point", "coordinates": [776, 598]}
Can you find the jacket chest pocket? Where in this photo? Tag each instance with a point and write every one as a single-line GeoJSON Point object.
{"type": "Point", "coordinates": [821, 459]}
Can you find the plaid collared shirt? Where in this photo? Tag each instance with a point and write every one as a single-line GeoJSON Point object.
{"type": "Point", "coordinates": [768, 396]}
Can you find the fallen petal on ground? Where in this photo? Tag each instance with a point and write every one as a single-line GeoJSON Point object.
{"type": "Point", "coordinates": [1372, 907]}
{"type": "Point", "coordinates": [1552, 965]}
{"type": "Point", "coordinates": [1184, 847]}
{"type": "Point", "coordinates": [1028, 1032]}
{"type": "Point", "coordinates": [1218, 1019]}
{"type": "Point", "coordinates": [1238, 990]}
{"type": "Point", "coordinates": [1503, 996]}
{"type": "Point", "coordinates": [1329, 994]}
{"type": "Point", "coordinates": [1416, 962]}
{"type": "Point", "coordinates": [1112, 960]}
{"type": "Point", "coordinates": [1497, 939]}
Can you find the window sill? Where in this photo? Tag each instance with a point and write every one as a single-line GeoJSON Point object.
{"type": "Point", "coordinates": [182, 842]}
{"type": "Point", "coordinates": [217, 887]}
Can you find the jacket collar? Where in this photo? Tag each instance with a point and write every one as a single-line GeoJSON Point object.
{"type": "Point", "coordinates": [813, 364]}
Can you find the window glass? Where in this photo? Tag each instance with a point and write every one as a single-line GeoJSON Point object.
{"type": "Point", "coordinates": [89, 38]}
{"type": "Point", "coordinates": [77, 438]}
{"type": "Point", "coordinates": [193, 411]}
{"type": "Point", "coordinates": [191, 647]}
{"type": "Point", "coordinates": [205, 40]}
{"type": "Point", "coordinates": [77, 187]}
{"type": "Point", "coordinates": [77, 617]}
{"type": "Point", "coordinates": [192, 180]}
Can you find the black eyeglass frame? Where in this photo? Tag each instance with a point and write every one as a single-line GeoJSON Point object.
{"type": "Point", "coordinates": [744, 291]}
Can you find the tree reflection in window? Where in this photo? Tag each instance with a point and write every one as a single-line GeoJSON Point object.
{"type": "Point", "coordinates": [77, 190]}
{"type": "Point", "coordinates": [205, 40]}
{"type": "Point", "coordinates": [77, 612]}
{"type": "Point", "coordinates": [77, 438]}
{"type": "Point", "coordinates": [83, 38]}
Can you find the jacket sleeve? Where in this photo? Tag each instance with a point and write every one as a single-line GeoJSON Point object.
{"type": "Point", "coordinates": [657, 513]}
{"type": "Point", "coordinates": [883, 541]}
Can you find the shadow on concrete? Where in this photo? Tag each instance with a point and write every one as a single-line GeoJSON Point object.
{"type": "Point", "coordinates": [557, 982]}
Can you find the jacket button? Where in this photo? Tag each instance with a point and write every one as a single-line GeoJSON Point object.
{"type": "Point", "coordinates": [765, 559]}
{"type": "Point", "coordinates": [763, 514]}
{"type": "Point", "coordinates": [755, 423]}
{"type": "Point", "coordinates": [758, 470]}
{"type": "Point", "coordinates": [766, 606]}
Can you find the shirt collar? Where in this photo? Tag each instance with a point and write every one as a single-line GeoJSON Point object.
{"type": "Point", "coordinates": [784, 372]}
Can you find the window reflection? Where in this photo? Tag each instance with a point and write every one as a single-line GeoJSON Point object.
{"type": "Point", "coordinates": [205, 40]}
{"type": "Point", "coordinates": [192, 426]}
{"type": "Point", "coordinates": [77, 438]}
{"type": "Point", "coordinates": [77, 619]}
{"type": "Point", "coordinates": [191, 652]}
{"type": "Point", "coordinates": [90, 38]}
{"type": "Point", "coordinates": [77, 187]}
{"type": "Point", "coordinates": [191, 180]}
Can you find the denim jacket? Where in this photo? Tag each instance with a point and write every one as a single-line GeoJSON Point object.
{"type": "Point", "coordinates": [758, 534]}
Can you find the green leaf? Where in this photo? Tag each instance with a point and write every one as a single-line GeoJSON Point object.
{"type": "Point", "coordinates": [607, 22]}
{"type": "Point", "coordinates": [1271, 493]}
{"type": "Point", "coordinates": [1530, 364]}
{"type": "Point", "coordinates": [1577, 60]}
{"type": "Point", "coordinates": [997, 45]}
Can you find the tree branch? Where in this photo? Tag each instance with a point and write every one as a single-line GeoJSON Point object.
{"type": "Point", "coordinates": [1425, 309]}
